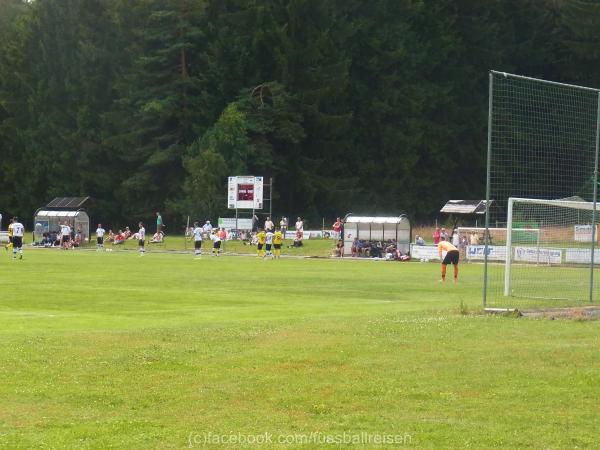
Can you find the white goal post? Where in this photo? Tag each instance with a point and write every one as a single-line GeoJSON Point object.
{"type": "Point", "coordinates": [558, 219]}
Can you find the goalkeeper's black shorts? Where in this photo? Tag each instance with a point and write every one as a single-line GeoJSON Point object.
{"type": "Point", "coordinates": [451, 257]}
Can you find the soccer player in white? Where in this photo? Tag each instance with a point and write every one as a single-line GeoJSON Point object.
{"type": "Point", "coordinates": [141, 234]}
{"type": "Point", "coordinates": [17, 241]}
{"type": "Point", "coordinates": [197, 233]}
{"type": "Point", "coordinates": [216, 243]}
{"type": "Point", "coordinates": [268, 243]}
{"type": "Point", "coordinates": [65, 235]}
{"type": "Point", "coordinates": [100, 237]}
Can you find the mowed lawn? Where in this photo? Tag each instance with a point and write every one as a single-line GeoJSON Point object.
{"type": "Point", "coordinates": [110, 349]}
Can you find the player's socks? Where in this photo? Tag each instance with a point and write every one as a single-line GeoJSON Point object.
{"type": "Point", "coordinates": [443, 272]}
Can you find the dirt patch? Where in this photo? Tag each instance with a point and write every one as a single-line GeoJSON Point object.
{"type": "Point", "coordinates": [579, 313]}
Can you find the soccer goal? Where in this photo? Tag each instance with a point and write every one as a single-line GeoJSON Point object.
{"type": "Point", "coordinates": [542, 174]}
{"type": "Point", "coordinates": [560, 266]}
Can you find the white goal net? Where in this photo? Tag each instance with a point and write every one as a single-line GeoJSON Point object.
{"type": "Point", "coordinates": [558, 263]}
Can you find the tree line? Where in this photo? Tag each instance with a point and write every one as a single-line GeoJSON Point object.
{"type": "Point", "coordinates": [374, 107]}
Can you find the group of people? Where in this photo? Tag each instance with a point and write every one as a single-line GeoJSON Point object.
{"type": "Point", "coordinates": [122, 236]}
{"type": "Point", "coordinates": [388, 250]}
{"type": "Point", "coordinates": [269, 242]}
{"type": "Point", "coordinates": [270, 225]}
{"type": "Point", "coordinates": [461, 242]}
{"type": "Point", "coordinates": [216, 235]}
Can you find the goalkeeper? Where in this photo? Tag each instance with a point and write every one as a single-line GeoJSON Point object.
{"type": "Point", "coordinates": [450, 257]}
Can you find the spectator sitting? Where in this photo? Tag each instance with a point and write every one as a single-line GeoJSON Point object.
{"type": "Point", "coordinates": [298, 239]}
{"type": "Point", "coordinates": [419, 240]}
{"type": "Point", "coordinates": [389, 253]}
{"type": "Point", "coordinates": [119, 238]}
{"type": "Point", "coordinates": [376, 250]}
{"type": "Point", "coordinates": [390, 248]}
{"type": "Point", "coordinates": [402, 256]}
{"type": "Point", "coordinates": [46, 240]}
{"type": "Point", "coordinates": [126, 233]}
{"type": "Point", "coordinates": [354, 248]}
{"type": "Point", "coordinates": [78, 238]}
{"type": "Point", "coordinates": [338, 251]}
{"type": "Point", "coordinates": [111, 236]}
{"type": "Point", "coordinates": [364, 248]}
{"type": "Point", "coordinates": [157, 238]}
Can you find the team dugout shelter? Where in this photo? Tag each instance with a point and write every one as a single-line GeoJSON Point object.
{"type": "Point", "coordinates": [48, 219]}
{"type": "Point", "coordinates": [374, 228]}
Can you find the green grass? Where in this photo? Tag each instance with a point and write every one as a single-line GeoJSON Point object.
{"type": "Point", "coordinates": [110, 349]}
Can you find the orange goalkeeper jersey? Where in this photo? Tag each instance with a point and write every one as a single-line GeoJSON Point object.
{"type": "Point", "coordinates": [445, 246]}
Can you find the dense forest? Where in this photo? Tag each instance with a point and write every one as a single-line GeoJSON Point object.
{"type": "Point", "coordinates": [375, 106]}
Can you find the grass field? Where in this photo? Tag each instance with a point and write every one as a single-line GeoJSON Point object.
{"type": "Point", "coordinates": [110, 349]}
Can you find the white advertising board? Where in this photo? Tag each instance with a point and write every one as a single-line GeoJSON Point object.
{"type": "Point", "coordinates": [245, 192]}
{"type": "Point", "coordinates": [583, 233]}
{"type": "Point", "coordinates": [306, 235]}
{"type": "Point", "coordinates": [424, 251]}
{"type": "Point", "coordinates": [477, 252]}
{"type": "Point", "coordinates": [581, 255]}
{"type": "Point", "coordinates": [541, 255]}
{"type": "Point", "coordinates": [3, 236]}
{"type": "Point", "coordinates": [230, 223]}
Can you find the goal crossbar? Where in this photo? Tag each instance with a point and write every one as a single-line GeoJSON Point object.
{"type": "Point", "coordinates": [589, 206]}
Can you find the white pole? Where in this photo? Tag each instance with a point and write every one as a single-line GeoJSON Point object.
{"type": "Point", "coordinates": [509, 226]}
{"type": "Point", "coordinates": [538, 246]}
{"type": "Point", "coordinates": [187, 226]}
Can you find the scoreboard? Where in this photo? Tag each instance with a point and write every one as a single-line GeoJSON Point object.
{"type": "Point", "coordinates": [245, 192]}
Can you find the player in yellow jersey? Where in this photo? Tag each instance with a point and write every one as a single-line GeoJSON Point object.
{"type": "Point", "coordinates": [451, 257]}
{"type": "Point", "coordinates": [277, 241]}
{"type": "Point", "coordinates": [9, 246]}
{"type": "Point", "coordinates": [261, 236]}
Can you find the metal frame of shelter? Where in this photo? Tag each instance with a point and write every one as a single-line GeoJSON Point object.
{"type": "Point", "coordinates": [61, 209]}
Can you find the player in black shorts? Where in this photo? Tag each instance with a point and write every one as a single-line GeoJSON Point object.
{"type": "Point", "coordinates": [450, 258]}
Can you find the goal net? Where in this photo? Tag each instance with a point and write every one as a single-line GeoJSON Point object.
{"type": "Point", "coordinates": [542, 145]}
{"type": "Point", "coordinates": [560, 266]}
{"type": "Point", "coordinates": [472, 241]}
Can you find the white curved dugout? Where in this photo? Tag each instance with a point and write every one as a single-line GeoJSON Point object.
{"type": "Point", "coordinates": [373, 228]}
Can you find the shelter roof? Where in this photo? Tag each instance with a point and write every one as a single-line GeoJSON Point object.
{"type": "Point", "coordinates": [464, 207]}
{"type": "Point", "coordinates": [58, 213]}
{"type": "Point", "coordinates": [374, 219]}
{"type": "Point", "coordinates": [67, 202]}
